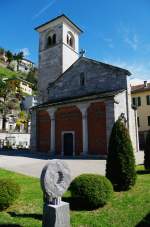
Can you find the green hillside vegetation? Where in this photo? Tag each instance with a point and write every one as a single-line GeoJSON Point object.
{"type": "Point", "coordinates": [7, 73]}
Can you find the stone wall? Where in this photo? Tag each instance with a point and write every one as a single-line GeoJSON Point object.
{"type": "Point", "coordinates": [99, 77]}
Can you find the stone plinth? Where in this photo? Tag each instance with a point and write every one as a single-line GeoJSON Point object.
{"type": "Point", "coordinates": [56, 215]}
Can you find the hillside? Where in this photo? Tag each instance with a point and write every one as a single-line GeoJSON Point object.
{"type": "Point", "coordinates": [6, 73]}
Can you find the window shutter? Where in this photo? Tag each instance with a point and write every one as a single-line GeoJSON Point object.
{"type": "Point", "coordinates": [133, 101]}
{"type": "Point", "coordinates": [148, 120]}
{"type": "Point", "coordinates": [148, 99]}
{"type": "Point", "coordinates": [139, 101]}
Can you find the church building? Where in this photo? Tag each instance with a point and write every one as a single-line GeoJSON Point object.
{"type": "Point", "coordinates": [79, 98]}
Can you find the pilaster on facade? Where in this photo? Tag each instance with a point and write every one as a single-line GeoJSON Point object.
{"type": "Point", "coordinates": [33, 140]}
{"type": "Point", "coordinates": [110, 118]}
{"type": "Point", "coordinates": [51, 112]}
{"type": "Point", "coordinates": [84, 110]}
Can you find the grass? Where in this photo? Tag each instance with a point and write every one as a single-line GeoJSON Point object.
{"type": "Point", "coordinates": [7, 73]}
{"type": "Point", "coordinates": [126, 209]}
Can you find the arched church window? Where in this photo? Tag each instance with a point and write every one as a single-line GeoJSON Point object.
{"type": "Point", "coordinates": [82, 79]}
{"type": "Point", "coordinates": [67, 39]}
{"type": "Point", "coordinates": [54, 39]}
{"type": "Point", "coordinates": [49, 41]}
{"type": "Point", "coordinates": [70, 40]}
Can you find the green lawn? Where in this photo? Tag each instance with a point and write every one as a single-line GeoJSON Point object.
{"type": "Point", "coordinates": [126, 209]}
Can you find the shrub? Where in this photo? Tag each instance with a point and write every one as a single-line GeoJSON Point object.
{"type": "Point", "coordinates": [147, 152]}
{"type": "Point", "coordinates": [91, 189]}
{"type": "Point", "coordinates": [120, 166]}
{"type": "Point", "coordinates": [9, 192]}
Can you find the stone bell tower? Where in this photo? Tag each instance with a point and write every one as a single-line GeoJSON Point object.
{"type": "Point", "coordinates": [58, 50]}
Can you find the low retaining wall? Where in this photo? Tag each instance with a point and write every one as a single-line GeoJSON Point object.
{"type": "Point", "coordinates": [16, 139]}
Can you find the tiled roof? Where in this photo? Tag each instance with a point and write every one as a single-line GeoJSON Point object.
{"type": "Point", "coordinates": [140, 88]}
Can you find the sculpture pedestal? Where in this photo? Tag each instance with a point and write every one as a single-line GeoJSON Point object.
{"type": "Point", "coordinates": [56, 215]}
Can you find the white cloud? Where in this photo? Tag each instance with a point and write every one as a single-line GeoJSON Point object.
{"type": "Point", "coordinates": [44, 9]}
{"type": "Point", "coordinates": [109, 42]}
{"type": "Point", "coordinates": [25, 51]}
{"type": "Point", "coordinates": [132, 41]}
{"type": "Point", "coordinates": [136, 81]}
{"type": "Point", "coordinates": [129, 36]}
{"type": "Point", "coordinates": [138, 70]}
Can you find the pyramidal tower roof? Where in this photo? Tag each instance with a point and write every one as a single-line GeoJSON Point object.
{"type": "Point", "coordinates": [60, 18]}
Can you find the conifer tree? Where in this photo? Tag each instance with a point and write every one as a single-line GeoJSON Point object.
{"type": "Point", "coordinates": [120, 167]}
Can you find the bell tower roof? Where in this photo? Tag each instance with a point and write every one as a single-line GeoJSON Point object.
{"type": "Point", "coordinates": [59, 19]}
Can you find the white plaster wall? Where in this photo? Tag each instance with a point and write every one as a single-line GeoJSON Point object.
{"type": "Point", "coordinates": [133, 127]}
{"type": "Point", "coordinates": [1, 123]}
{"type": "Point", "coordinates": [66, 29]}
{"type": "Point", "coordinates": [124, 106]}
{"type": "Point", "coordinates": [69, 57]}
{"type": "Point", "coordinates": [19, 138]}
{"type": "Point", "coordinates": [26, 88]}
{"type": "Point", "coordinates": [29, 102]}
{"type": "Point", "coordinates": [120, 106]}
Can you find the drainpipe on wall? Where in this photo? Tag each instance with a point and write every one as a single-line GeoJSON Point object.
{"type": "Point", "coordinates": [127, 104]}
{"type": "Point", "coordinates": [136, 128]}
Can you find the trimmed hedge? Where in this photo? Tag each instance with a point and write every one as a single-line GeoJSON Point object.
{"type": "Point", "coordinates": [120, 166]}
{"type": "Point", "coordinates": [147, 152]}
{"type": "Point", "coordinates": [9, 192]}
{"type": "Point", "coordinates": [91, 189]}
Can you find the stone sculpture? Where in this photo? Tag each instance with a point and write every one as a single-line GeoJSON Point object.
{"type": "Point", "coordinates": [55, 180]}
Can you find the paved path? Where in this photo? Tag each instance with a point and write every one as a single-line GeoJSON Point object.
{"type": "Point", "coordinates": [32, 166]}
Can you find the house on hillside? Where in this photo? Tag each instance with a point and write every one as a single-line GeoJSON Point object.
{"type": "Point", "coordinates": [25, 86]}
{"type": "Point", "coordinates": [141, 100]}
{"type": "Point", "coordinates": [28, 102]}
{"type": "Point", "coordinates": [25, 66]}
{"type": "Point", "coordinates": [79, 98]}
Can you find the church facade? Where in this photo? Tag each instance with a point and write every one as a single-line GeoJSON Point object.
{"type": "Point", "coordinates": [79, 98]}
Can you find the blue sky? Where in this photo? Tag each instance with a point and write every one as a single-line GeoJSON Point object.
{"type": "Point", "coordinates": [115, 31]}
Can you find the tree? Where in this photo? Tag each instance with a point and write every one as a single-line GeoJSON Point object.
{"type": "Point", "coordinates": [8, 101]}
{"type": "Point", "coordinates": [2, 51]}
{"type": "Point", "coordinates": [18, 57]}
{"type": "Point", "coordinates": [120, 166]}
{"type": "Point", "coordinates": [147, 152]}
{"type": "Point", "coordinates": [22, 120]}
{"type": "Point", "coordinates": [32, 78]}
{"type": "Point", "coordinates": [9, 56]}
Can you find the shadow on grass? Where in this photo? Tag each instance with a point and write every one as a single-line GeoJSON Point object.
{"type": "Point", "coordinates": [34, 216]}
{"type": "Point", "coordinates": [9, 225]}
{"type": "Point", "coordinates": [77, 204]}
{"type": "Point", "coordinates": [142, 172]}
{"type": "Point", "coordinates": [145, 222]}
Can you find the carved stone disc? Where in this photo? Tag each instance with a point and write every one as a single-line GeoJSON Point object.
{"type": "Point", "coordinates": [55, 178]}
